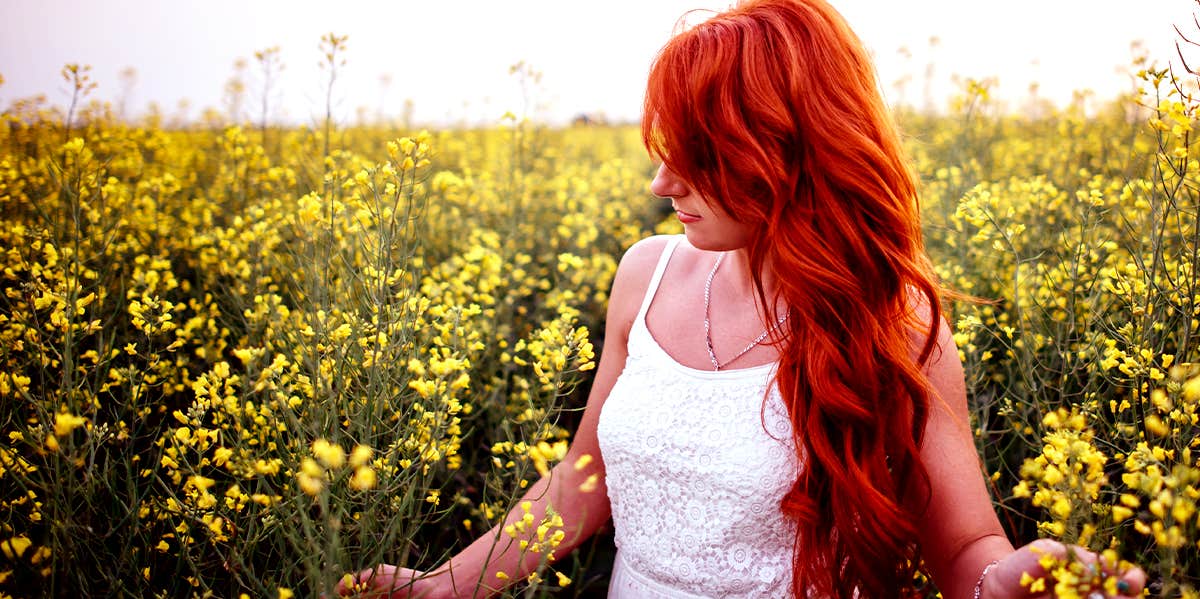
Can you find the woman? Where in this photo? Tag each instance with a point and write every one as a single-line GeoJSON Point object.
{"type": "Point", "coordinates": [779, 410]}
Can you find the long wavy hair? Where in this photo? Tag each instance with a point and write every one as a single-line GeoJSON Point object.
{"type": "Point", "coordinates": [771, 111]}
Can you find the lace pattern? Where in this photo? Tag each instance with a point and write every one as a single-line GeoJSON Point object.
{"type": "Point", "coordinates": [693, 478]}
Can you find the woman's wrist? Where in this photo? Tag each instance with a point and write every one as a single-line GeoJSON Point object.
{"type": "Point", "coordinates": [978, 593]}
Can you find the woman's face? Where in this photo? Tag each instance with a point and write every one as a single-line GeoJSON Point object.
{"type": "Point", "coordinates": [706, 225]}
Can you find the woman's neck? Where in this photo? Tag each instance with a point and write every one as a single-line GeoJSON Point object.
{"type": "Point", "coordinates": [740, 276]}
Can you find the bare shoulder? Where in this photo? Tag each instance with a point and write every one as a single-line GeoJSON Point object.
{"type": "Point", "coordinates": [943, 366]}
{"type": "Point", "coordinates": [633, 278]}
{"type": "Point", "coordinates": [922, 322]}
{"type": "Point", "coordinates": [639, 261]}
{"type": "Point", "coordinates": [644, 255]}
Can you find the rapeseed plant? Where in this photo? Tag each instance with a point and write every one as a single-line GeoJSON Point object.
{"type": "Point", "coordinates": [238, 367]}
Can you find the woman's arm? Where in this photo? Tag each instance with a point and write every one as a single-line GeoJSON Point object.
{"type": "Point", "coordinates": [960, 534]}
{"type": "Point", "coordinates": [578, 495]}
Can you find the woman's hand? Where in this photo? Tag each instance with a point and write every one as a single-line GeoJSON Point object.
{"type": "Point", "coordinates": [387, 581]}
{"type": "Point", "coordinates": [1016, 576]}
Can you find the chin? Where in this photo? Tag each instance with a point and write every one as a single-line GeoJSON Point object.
{"type": "Point", "coordinates": [714, 243]}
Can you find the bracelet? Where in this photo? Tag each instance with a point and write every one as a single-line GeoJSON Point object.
{"type": "Point", "coordinates": [983, 575]}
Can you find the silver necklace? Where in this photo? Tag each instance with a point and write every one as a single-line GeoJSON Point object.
{"type": "Point", "coordinates": [708, 336]}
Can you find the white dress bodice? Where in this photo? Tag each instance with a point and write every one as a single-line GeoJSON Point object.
{"type": "Point", "coordinates": [696, 464]}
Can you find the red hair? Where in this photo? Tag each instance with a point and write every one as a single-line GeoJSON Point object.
{"type": "Point", "coordinates": [771, 111]}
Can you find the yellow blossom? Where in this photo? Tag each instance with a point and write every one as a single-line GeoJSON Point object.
{"type": "Point", "coordinates": [360, 455]}
{"type": "Point", "coordinates": [331, 455]}
{"type": "Point", "coordinates": [310, 485]}
{"type": "Point", "coordinates": [64, 423]}
{"type": "Point", "coordinates": [15, 547]}
{"type": "Point", "coordinates": [363, 478]}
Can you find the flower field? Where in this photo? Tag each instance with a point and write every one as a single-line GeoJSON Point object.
{"type": "Point", "coordinates": [245, 359]}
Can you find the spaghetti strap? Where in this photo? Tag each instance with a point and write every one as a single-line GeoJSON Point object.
{"type": "Point", "coordinates": [652, 288]}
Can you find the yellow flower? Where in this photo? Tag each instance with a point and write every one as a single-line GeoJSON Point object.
{"type": "Point", "coordinates": [363, 479]}
{"type": "Point", "coordinates": [331, 455]}
{"type": "Point", "coordinates": [15, 547]}
{"type": "Point", "coordinates": [310, 467]}
{"type": "Point", "coordinates": [1021, 490]}
{"type": "Point", "coordinates": [1035, 585]}
{"type": "Point", "coordinates": [74, 146]}
{"type": "Point", "coordinates": [1061, 507]}
{"type": "Point", "coordinates": [424, 388]}
{"type": "Point", "coordinates": [589, 485]}
{"type": "Point", "coordinates": [310, 485]}
{"type": "Point", "coordinates": [1191, 389]}
{"type": "Point", "coordinates": [271, 466]}
{"type": "Point", "coordinates": [221, 456]}
{"type": "Point", "coordinates": [1155, 425]}
{"type": "Point", "coordinates": [64, 423]}
{"type": "Point", "coordinates": [563, 580]}
{"type": "Point", "coordinates": [361, 455]}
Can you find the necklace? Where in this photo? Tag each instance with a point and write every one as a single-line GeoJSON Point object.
{"type": "Point", "coordinates": [708, 336]}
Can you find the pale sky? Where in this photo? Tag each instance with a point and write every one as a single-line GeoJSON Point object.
{"type": "Point", "coordinates": [452, 57]}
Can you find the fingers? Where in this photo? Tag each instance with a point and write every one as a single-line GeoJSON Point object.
{"type": "Point", "coordinates": [375, 582]}
{"type": "Point", "coordinates": [1048, 547]}
{"type": "Point", "coordinates": [1132, 583]}
{"type": "Point", "coordinates": [354, 584]}
{"type": "Point", "coordinates": [1100, 569]}
{"type": "Point", "coordinates": [383, 580]}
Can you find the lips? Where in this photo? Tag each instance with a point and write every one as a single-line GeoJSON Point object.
{"type": "Point", "coordinates": [686, 217]}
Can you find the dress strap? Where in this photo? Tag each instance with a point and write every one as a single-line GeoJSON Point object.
{"type": "Point", "coordinates": [652, 288]}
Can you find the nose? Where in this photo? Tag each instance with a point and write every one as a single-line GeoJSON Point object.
{"type": "Point", "coordinates": [667, 184]}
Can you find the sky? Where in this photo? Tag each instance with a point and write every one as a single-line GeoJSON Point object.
{"type": "Point", "coordinates": [452, 58]}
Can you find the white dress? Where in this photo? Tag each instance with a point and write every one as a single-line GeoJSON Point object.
{"type": "Point", "coordinates": [694, 480]}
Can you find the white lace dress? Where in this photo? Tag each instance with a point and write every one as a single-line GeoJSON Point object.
{"type": "Point", "coordinates": [694, 479]}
